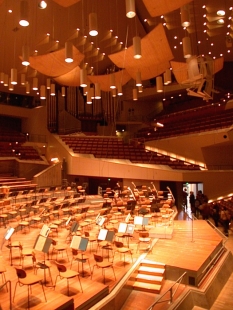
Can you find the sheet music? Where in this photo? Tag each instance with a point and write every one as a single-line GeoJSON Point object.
{"type": "Point", "coordinates": [75, 242]}
{"type": "Point", "coordinates": [138, 220]}
{"type": "Point", "coordinates": [9, 233]}
{"type": "Point", "coordinates": [100, 220]}
{"type": "Point", "coordinates": [130, 229]}
{"type": "Point", "coordinates": [127, 217]}
{"type": "Point", "coordinates": [83, 244]}
{"type": "Point", "coordinates": [145, 221]}
{"type": "Point", "coordinates": [39, 244]}
{"type": "Point", "coordinates": [110, 235]}
{"type": "Point", "coordinates": [44, 231]}
{"type": "Point", "coordinates": [122, 227]}
{"type": "Point", "coordinates": [102, 234]}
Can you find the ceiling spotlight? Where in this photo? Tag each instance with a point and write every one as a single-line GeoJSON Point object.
{"type": "Point", "coordinates": [42, 5]}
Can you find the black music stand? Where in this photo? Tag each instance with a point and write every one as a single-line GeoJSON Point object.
{"type": "Point", "coordinates": [80, 244]}
{"type": "Point", "coordinates": [42, 244]}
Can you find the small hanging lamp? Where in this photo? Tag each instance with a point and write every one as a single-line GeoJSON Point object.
{"type": "Point", "coordinates": [138, 79]}
{"type": "Point", "coordinates": [27, 88]}
{"type": "Point", "coordinates": [35, 83]}
{"type": "Point", "coordinates": [13, 76]}
{"type": "Point", "coordinates": [6, 80]}
{"type": "Point", "coordinates": [69, 52]}
{"type": "Point", "coordinates": [130, 8]}
{"type": "Point", "coordinates": [93, 24]}
{"type": "Point", "coordinates": [2, 74]}
{"type": "Point", "coordinates": [135, 94]}
{"type": "Point", "coordinates": [186, 47]}
{"type": "Point", "coordinates": [119, 90]}
{"type": "Point", "coordinates": [112, 81]}
{"type": "Point", "coordinates": [97, 91]}
{"type": "Point", "coordinates": [25, 55]}
{"type": "Point", "coordinates": [63, 91]}
{"type": "Point", "coordinates": [48, 83]}
{"type": "Point", "coordinates": [52, 90]}
{"type": "Point", "coordinates": [23, 79]}
{"type": "Point", "coordinates": [137, 47]}
{"type": "Point", "coordinates": [159, 84]}
{"type": "Point", "coordinates": [184, 13]}
{"type": "Point", "coordinates": [83, 77]}
{"type": "Point", "coordinates": [42, 92]}
{"type": "Point", "coordinates": [24, 22]}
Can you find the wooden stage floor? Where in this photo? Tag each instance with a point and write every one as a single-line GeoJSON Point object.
{"type": "Point", "coordinates": [191, 246]}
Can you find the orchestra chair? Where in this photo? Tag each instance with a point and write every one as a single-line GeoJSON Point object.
{"type": "Point", "coordinates": [45, 265]}
{"type": "Point", "coordinates": [24, 252]}
{"type": "Point", "coordinates": [79, 257]}
{"type": "Point", "coordinates": [27, 279]}
{"type": "Point", "coordinates": [143, 238]}
{"type": "Point", "coordinates": [2, 272]}
{"type": "Point", "coordinates": [91, 239]}
{"type": "Point", "coordinates": [103, 264]}
{"type": "Point", "coordinates": [120, 248]}
{"type": "Point", "coordinates": [64, 273]}
{"type": "Point", "coordinates": [59, 248]}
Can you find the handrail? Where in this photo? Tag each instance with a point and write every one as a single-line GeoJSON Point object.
{"type": "Point", "coordinates": [10, 293]}
{"type": "Point", "coordinates": [172, 294]}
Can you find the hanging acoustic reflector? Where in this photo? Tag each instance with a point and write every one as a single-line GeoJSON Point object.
{"type": "Point", "coordinates": [130, 8]}
{"type": "Point", "coordinates": [13, 76]}
{"type": "Point", "coordinates": [6, 79]}
{"type": "Point", "coordinates": [24, 13]}
{"type": "Point", "coordinates": [2, 75]}
{"type": "Point", "coordinates": [138, 79]}
{"type": "Point", "coordinates": [159, 84]}
{"type": "Point", "coordinates": [119, 90]}
{"type": "Point", "coordinates": [167, 77]}
{"type": "Point", "coordinates": [25, 55]}
{"type": "Point", "coordinates": [27, 88]}
{"type": "Point", "coordinates": [112, 81]}
{"type": "Point", "coordinates": [42, 92]}
{"type": "Point", "coordinates": [135, 94]}
{"type": "Point", "coordinates": [137, 47]}
{"type": "Point", "coordinates": [35, 83]}
{"type": "Point", "coordinates": [52, 90]}
{"type": "Point", "coordinates": [97, 91]}
{"type": "Point", "coordinates": [184, 13]}
{"type": "Point", "coordinates": [186, 47]}
{"type": "Point", "coordinates": [23, 79]}
{"type": "Point", "coordinates": [63, 91]}
{"type": "Point", "coordinates": [83, 77]}
{"type": "Point", "coordinates": [48, 83]}
{"type": "Point", "coordinates": [93, 24]}
{"type": "Point", "coordinates": [69, 52]}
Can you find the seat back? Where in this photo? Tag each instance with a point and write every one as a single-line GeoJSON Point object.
{"type": "Point", "coordinates": [21, 274]}
{"type": "Point", "coordinates": [118, 244]}
{"type": "Point", "coordinates": [143, 234]}
{"type": "Point", "coordinates": [60, 267]}
{"type": "Point", "coordinates": [98, 258]}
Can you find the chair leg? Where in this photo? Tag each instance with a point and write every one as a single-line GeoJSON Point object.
{"type": "Point", "coordinates": [15, 290]}
{"type": "Point", "coordinates": [80, 284]}
{"type": "Point", "coordinates": [68, 291]}
{"type": "Point", "coordinates": [43, 291]}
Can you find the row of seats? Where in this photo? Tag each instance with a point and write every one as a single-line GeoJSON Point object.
{"type": "Point", "coordinates": [196, 120]}
{"type": "Point", "coordinates": [134, 153]}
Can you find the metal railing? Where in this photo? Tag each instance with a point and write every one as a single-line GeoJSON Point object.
{"type": "Point", "coordinates": [10, 293]}
{"type": "Point", "coordinates": [172, 291]}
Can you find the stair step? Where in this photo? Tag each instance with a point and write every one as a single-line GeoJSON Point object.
{"type": "Point", "coordinates": [147, 287]}
{"type": "Point", "coordinates": [150, 263]}
{"type": "Point", "coordinates": [149, 279]}
{"type": "Point", "coordinates": [151, 270]}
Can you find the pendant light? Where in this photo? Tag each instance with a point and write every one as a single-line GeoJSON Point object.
{"type": "Point", "coordinates": [2, 74]}
{"type": "Point", "coordinates": [114, 92]}
{"type": "Point", "coordinates": [42, 92]}
{"type": "Point", "coordinates": [135, 94]}
{"type": "Point", "coordinates": [138, 79]}
{"type": "Point", "coordinates": [25, 55]}
{"type": "Point", "coordinates": [83, 77]}
{"type": "Point", "coordinates": [112, 81]}
{"type": "Point", "coordinates": [185, 20]}
{"type": "Point", "coordinates": [137, 47]}
{"type": "Point", "coordinates": [130, 8]}
{"type": "Point", "coordinates": [27, 88]}
{"type": "Point", "coordinates": [69, 52]}
{"type": "Point", "coordinates": [6, 80]}
{"type": "Point", "coordinates": [48, 83]}
{"type": "Point", "coordinates": [11, 86]}
{"type": "Point", "coordinates": [167, 77]}
{"type": "Point", "coordinates": [63, 91]}
{"type": "Point", "coordinates": [119, 90]}
{"type": "Point", "coordinates": [23, 79]}
{"type": "Point", "coordinates": [159, 84]}
{"type": "Point", "coordinates": [97, 91]}
{"type": "Point", "coordinates": [89, 101]}
{"type": "Point", "coordinates": [23, 13]}
{"type": "Point", "coordinates": [13, 76]}
{"type": "Point", "coordinates": [93, 24]}
{"type": "Point", "coordinates": [140, 89]}
{"type": "Point", "coordinates": [186, 47]}
{"type": "Point", "coordinates": [35, 83]}
{"type": "Point", "coordinates": [52, 90]}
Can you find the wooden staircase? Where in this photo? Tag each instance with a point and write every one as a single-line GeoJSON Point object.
{"type": "Point", "coordinates": [148, 277]}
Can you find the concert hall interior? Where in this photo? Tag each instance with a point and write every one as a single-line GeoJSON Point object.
{"type": "Point", "coordinates": [116, 162]}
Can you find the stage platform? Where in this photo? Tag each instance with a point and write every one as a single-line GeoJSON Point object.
{"type": "Point", "coordinates": [191, 248]}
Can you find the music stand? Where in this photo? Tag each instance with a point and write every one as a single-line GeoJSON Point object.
{"type": "Point", "coordinates": [127, 230]}
{"type": "Point", "coordinates": [80, 244]}
{"type": "Point", "coordinates": [100, 220]}
{"type": "Point", "coordinates": [42, 244]}
{"type": "Point", "coordinates": [7, 236]}
{"type": "Point", "coordinates": [106, 235]}
{"type": "Point", "coordinates": [140, 220]}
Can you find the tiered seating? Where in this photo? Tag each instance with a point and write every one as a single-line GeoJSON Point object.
{"type": "Point", "coordinates": [116, 148]}
{"type": "Point", "coordinates": [211, 117]}
{"type": "Point", "coordinates": [16, 149]}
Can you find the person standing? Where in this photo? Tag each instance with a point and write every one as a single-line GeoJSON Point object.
{"type": "Point", "coordinates": [185, 198]}
{"type": "Point", "coordinates": [225, 218]}
{"type": "Point", "coordinates": [215, 214]}
{"type": "Point", "coordinates": [192, 202]}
